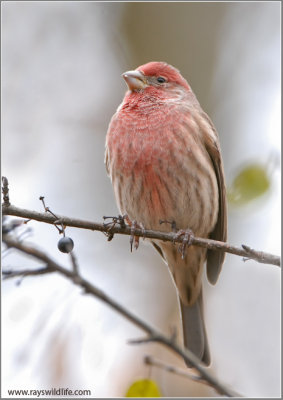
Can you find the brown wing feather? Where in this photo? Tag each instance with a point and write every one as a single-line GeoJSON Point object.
{"type": "Point", "coordinates": [215, 259]}
{"type": "Point", "coordinates": [106, 161]}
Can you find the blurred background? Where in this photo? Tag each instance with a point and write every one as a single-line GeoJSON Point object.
{"type": "Point", "coordinates": [61, 83]}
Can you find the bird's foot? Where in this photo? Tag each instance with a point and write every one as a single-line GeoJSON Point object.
{"type": "Point", "coordinates": [187, 240]}
{"type": "Point", "coordinates": [135, 239]}
{"type": "Point", "coordinates": [116, 220]}
{"type": "Point", "coordinates": [110, 225]}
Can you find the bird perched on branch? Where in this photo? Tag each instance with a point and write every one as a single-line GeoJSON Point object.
{"type": "Point", "coordinates": [164, 160]}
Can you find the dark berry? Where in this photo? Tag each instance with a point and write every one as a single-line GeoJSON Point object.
{"type": "Point", "coordinates": [65, 245]}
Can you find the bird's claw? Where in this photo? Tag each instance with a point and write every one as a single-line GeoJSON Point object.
{"type": "Point", "coordinates": [115, 220]}
{"type": "Point", "coordinates": [123, 221]}
{"type": "Point", "coordinates": [135, 239]}
{"type": "Point", "coordinates": [187, 240]}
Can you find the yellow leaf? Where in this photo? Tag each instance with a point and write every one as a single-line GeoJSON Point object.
{"type": "Point", "coordinates": [143, 388]}
{"type": "Point", "coordinates": [250, 183]}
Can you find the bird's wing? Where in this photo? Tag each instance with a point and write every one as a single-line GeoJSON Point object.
{"type": "Point", "coordinates": [215, 259]}
{"type": "Point", "coordinates": [111, 128]}
{"type": "Point", "coordinates": [106, 161]}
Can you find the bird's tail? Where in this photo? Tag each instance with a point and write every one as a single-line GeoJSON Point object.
{"type": "Point", "coordinates": [194, 332]}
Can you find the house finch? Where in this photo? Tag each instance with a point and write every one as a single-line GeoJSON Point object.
{"type": "Point", "coordinates": [164, 161]}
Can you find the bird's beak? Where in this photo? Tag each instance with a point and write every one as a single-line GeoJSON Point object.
{"type": "Point", "coordinates": [135, 80]}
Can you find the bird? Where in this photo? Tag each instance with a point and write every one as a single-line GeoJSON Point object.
{"type": "Point", "coordinates": [163, 156]}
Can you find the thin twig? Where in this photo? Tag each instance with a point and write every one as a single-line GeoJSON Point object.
{"type": "Point", "coordinates": [8, 274]}
{"type": "Point", "coordinates": [149, 360]}
{"type": "Point", "coordinates": [260, 256]}
{"type": "Point", "coordinates": [57, 220]}
{"type": "Point", "coordinates": [52, 266]}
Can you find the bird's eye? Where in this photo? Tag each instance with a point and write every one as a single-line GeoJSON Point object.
{"type": "Point", "coordinates": [160, 79]}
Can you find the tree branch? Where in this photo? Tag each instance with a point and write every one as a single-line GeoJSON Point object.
{"type": "Point", "coordinates": [115, 228]}
{"type": "Point", "coordinates": [5, 191]}
{"type": "Point", "coordinates": [76, 278]}
{"type": "Point", "coordinates": [8, 274]}
{"type": "Point", "coordinates": [149, 360]}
